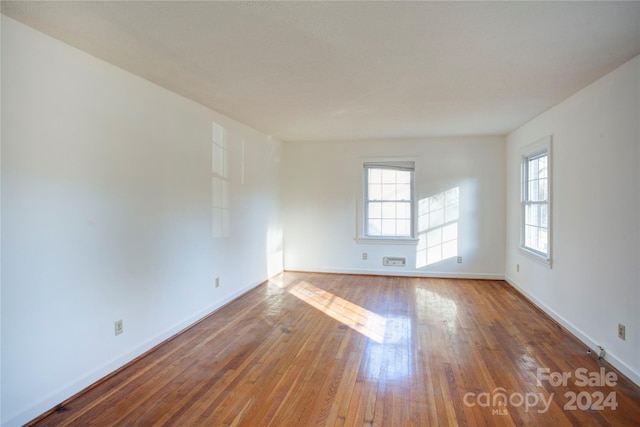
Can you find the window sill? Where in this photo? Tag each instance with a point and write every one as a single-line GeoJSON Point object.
{"type": "Point", "coordinates": [387, 240]}
{"type": "Point", "coordinates": [539, 258]}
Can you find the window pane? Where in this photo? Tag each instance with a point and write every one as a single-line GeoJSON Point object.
{"type": "Point", "coordinates": [403, 177]}
{"type": "Point", "coordinates": [536, 238]}
{"type": "Point", "coordinates": [532, 237]}
{"type": "Point", "coordinates": [538, 233]}
{"type": "Point", "coordinates": [375, 210]}
{"type": "Point", "coordinates": [388, 210]}
{"type": "Point", "coordinates": [375, 176]}
{"type": "Point", "coordinates": [375, 227]}
{"type": "Point", "coordinates": [375, 192]}
{"type": "Point", "coordinates": [403, 210]}
{"type": "Point", "coordinates": [534, 195]}
{"type": "Point", "coordinates": [388, 227]}
{"type": "Point", "coordinates": [533, 216]}
{"type": "Point", "coordinates": [403, 227]}
{"type": "Point", "coordinates": [544, 218]}
{"type": "Point", "coordinates": [542, 167]}
{"type": "Point", "coordinates": [535, 242]}
{"type": "Point", "coordinates": [533, 169]}
{"type": "Point", "coordinates": [388, 192]}
{"type": "Point", "coordinates": [542, 241]}
{"type": "Point", "coordinates": [388, 176]}
{"type": "Point", "coordinates": [542, 189]}
{"type": "Point", "coordinates": [403, 192]}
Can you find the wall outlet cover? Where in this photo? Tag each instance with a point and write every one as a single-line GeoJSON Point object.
{"type": "Point", "coordinates": [622, 331]}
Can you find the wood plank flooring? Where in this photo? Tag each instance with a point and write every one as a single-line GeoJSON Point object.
{"type": "Point", "coordinates": [335, 350]}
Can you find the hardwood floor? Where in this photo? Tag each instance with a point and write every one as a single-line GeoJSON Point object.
{"type": "Point", "coordinates": [335, 350]}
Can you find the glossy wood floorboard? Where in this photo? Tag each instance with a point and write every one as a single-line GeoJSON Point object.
{"type": "Point", "coordinates": [336, 350]}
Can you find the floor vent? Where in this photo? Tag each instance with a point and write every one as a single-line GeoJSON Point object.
{"type": "Point", "coordinates": [394, 261]}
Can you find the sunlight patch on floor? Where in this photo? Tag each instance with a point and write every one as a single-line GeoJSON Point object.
{"type": "Point", "coordinates": [352, 315]}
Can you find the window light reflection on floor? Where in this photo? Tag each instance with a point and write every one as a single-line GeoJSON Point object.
{"type": "Point", "coordinates": [392, 360]}
{"type": "Point", "coordinates": [352, 315]}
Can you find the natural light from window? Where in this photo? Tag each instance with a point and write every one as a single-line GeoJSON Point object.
{"type": "Point", "coordinates": [352, 315]}
{"type": "Point", "coordinates": [388, 352]}
{"type": "Point", "coordinates": [393, 359]}
{"type": "Point", "coordinates": [438, 227]}
{"type": "Point", "coordinates": [431, 306]}
{"type": "Point", "coordinates": [220, 210]}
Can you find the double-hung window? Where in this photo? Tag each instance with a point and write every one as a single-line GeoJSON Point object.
{"type": "Point", "coordinates": [536, 206]}
{"type": "Point", "coordinates": [389, 199]}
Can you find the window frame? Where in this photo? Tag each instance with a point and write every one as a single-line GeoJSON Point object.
{"type": "Point", "coordinates": [389, 164]}
{"type": "Point", "coordinates": [535, 150]}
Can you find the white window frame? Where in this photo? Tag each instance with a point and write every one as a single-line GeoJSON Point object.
{"type": "Point", "coordinates": [397, 164]}
{"type": "Point", "coordinates": [530, 152]}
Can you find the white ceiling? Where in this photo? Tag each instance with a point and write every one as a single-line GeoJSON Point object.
{"type": "Point", "coordinates": [355, 70]}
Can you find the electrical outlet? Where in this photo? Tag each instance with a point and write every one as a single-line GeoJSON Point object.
{"type": "Point", "coordinates": [217, 282]}
{"type": "Point", "coordinates": [459, 260]}
{"type": "Point", "coordinates": [622, 331]}
{"type": "Point", "coordinates": [118, 327]}
{"type": "Point", "coordinates": [517, 268]}
{"type": "Point", "coordinates": [364, 255]}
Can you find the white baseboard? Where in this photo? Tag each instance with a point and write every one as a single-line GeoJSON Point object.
{"type": "Point", "coordinates": [578, 333]}
{"type": "Point", "coordinates": [77, 386]}
{"type": "Point", "coordinates": [400, 272]}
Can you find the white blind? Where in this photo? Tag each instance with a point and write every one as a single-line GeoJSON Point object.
{"type": "Point", "coordinates": [399, 166]}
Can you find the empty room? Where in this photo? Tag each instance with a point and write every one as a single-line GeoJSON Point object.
{"type": "Point", "coordinates": [320, 213]}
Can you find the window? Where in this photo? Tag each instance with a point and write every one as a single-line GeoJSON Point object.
{"type": "Point", "coordinates": [388, 200]}
{"type": "Point", "coordinates": [536, 179]}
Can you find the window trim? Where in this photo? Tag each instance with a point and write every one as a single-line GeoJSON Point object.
{"type": "Point", "coordinates": [538, 148]}
{"type": "Point", "coordinates": [390, 163]}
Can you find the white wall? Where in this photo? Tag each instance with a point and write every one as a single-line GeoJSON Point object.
{"type": "Point", "coordinates": [107, 214]}
{"type": "Point", "coordinates": [321, 189]}
{"type": "Point", "coordinates": [595, 280]}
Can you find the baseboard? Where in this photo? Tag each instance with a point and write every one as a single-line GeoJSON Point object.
{"type": "Point", "coordinates": [611, 358]}
{"type": "Point", "coordinates": [402, 273]}
{"type": "Point", "coordinates": [77, 387]}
